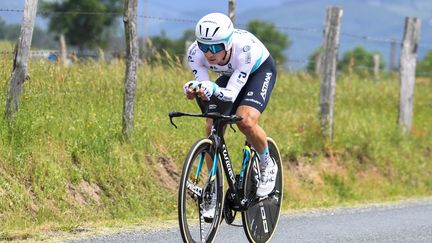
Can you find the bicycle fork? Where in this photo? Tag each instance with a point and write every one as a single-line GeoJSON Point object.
{"type": "Point", "coordinates": [198, 193]}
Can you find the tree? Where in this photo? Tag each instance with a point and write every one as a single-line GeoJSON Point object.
{"type": "Point", "coordinates": [275, 41]}
{"type": "Point", "coordinates": [161, 43]}
{"type": "Point", "coordinates": [359, 61]}
{"type": "Point", "coordinates": [9, 32]}
{"type": "Point", "coordinates": [41, 39]}
{"type": "Point", "coordinates": [83, 30]}
{"type": "Point", "coordinates": [424, 67]}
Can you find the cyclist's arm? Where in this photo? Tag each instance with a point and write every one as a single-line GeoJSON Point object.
{"type": "Point", "coordinates": [248, 61]}
{"type": "Point", "coordinates": [235, 84]}
{"type": "Point", "coordinates": [238, 79]}
{"type": "Point", "coordinates": [196, 63]}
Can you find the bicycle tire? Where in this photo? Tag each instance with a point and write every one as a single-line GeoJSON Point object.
{"type": "Point", "coordinates": [267, 211]}
{"type": "Point", "coordinates": [193, 227]}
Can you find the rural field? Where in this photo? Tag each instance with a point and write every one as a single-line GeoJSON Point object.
{"type": "Point", "coordinates": [64, 163]}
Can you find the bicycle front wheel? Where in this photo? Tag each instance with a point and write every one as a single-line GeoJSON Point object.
{"type": "Point", "coordinates": [260, 220]}
{"type": "Point", "coordinates": [196, 192]}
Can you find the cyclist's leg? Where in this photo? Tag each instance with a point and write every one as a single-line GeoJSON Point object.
{"type": "Point", "coordinates": [255, 135]}
{"type": "Point", "coordinates": [260, 220]}
{"type": "Point", "coordinates": [253, 100]}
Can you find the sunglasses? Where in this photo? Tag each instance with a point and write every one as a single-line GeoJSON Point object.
{"type": "Point", "coordinates": [213, 48]}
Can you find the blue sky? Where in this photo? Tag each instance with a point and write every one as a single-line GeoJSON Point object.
{"type": "Point", "coordinates": [163, 12]}
{"type": "Point", "coordinates": [168, 8]}
{"type": "Point", "coordinates": [158, 10]}
{"type": "Point", "coordinates": [379, 19]}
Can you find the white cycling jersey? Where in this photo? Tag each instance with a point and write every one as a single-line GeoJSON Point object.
{"type": "Point", "coordinates": [247, 54]}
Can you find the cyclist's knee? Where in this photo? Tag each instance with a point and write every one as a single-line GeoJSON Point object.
{"type": "Point", "coordinates": [250, 118]}
{"type": "Point", "coordinates": [247, 124]}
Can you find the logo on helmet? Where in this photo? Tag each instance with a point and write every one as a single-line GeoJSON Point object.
{"type": "Point", "coordinates": [209, 21]}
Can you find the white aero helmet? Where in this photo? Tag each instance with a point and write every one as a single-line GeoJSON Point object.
{"type": "Point", "coordinates": [215, 28]}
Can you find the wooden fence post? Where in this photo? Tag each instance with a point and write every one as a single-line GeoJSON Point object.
{"type": "Point", "coordinates": [231, 10]}
{"type": "Point", "coordinates": [63, 50]}
{"type": "Point", "coordinates": [393, 58]}
{"type": "Point", "coordinates": [22, 53]}
{"type": "Point", "coordinates": [376, 62]}
{"type": "Point", "coordinates": [101, 55]}
{"type": "Point", "coordinates": [318, 65]}
{"type": "Point", "coordinates": [329, 65]}
{"type": "Point", "coordinates": [132, 53]}
{"type": "Point", "coordinates": [407, 71]}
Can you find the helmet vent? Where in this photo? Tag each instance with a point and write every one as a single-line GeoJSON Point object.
{"type": "Point", "coordinates": [215, 31]}
{"type": "Point", "coordinates": [214, 28]}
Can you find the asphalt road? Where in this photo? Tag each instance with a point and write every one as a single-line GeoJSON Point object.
{"type": "Point", "coordinates": [408, 221]}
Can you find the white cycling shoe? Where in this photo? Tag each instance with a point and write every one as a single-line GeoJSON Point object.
{"type": "Point", "coordinates": [267, 179]}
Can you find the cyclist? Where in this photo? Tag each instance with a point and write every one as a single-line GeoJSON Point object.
{"type": "Point", "coordinates": [247, 76]}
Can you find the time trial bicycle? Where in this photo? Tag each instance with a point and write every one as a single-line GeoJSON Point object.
{"type": "Point", "coordinates": [199, 185]}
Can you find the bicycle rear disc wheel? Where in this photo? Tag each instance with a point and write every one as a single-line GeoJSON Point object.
{"type": "Point", "coordinates": [194, 192]}
{"type": "Point", "coordinates": [260, 220]}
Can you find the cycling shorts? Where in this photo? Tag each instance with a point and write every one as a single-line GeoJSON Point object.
{"type": "Point", "coordinates": [256, 92]}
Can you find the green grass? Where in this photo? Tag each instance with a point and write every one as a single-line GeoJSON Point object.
{"type": "Point", "coordinates": [63, 162]}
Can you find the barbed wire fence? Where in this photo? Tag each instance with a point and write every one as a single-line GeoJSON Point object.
{"type": "Point", "coordinates": [327, 60]}
{"type": "Point", "coordinates": [394, 43]}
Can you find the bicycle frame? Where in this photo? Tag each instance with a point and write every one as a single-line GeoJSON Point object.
{"type": "Point", "coordinates": [259, 214]}
{"type": "Point", "coordinates": [221, 151]}
{"type": "Point", "coordinates": [241, 203]}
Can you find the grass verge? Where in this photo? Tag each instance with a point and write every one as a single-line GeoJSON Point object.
{"type": "Point", "coordinates": [64, 165]}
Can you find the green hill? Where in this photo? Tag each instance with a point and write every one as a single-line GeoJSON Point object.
{"type": "Point", "coordinates": [379, 20]}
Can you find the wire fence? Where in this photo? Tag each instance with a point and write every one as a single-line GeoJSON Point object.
{"type": "Point", "coordinates": [184, 20]}
{"type": "Point", "coordinates": [371, 38]}
{"type": "Point", "coordinates": [300, 61]}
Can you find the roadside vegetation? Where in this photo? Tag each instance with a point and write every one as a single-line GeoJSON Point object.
{"type": "Point", "coordinates": [64, 165]}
